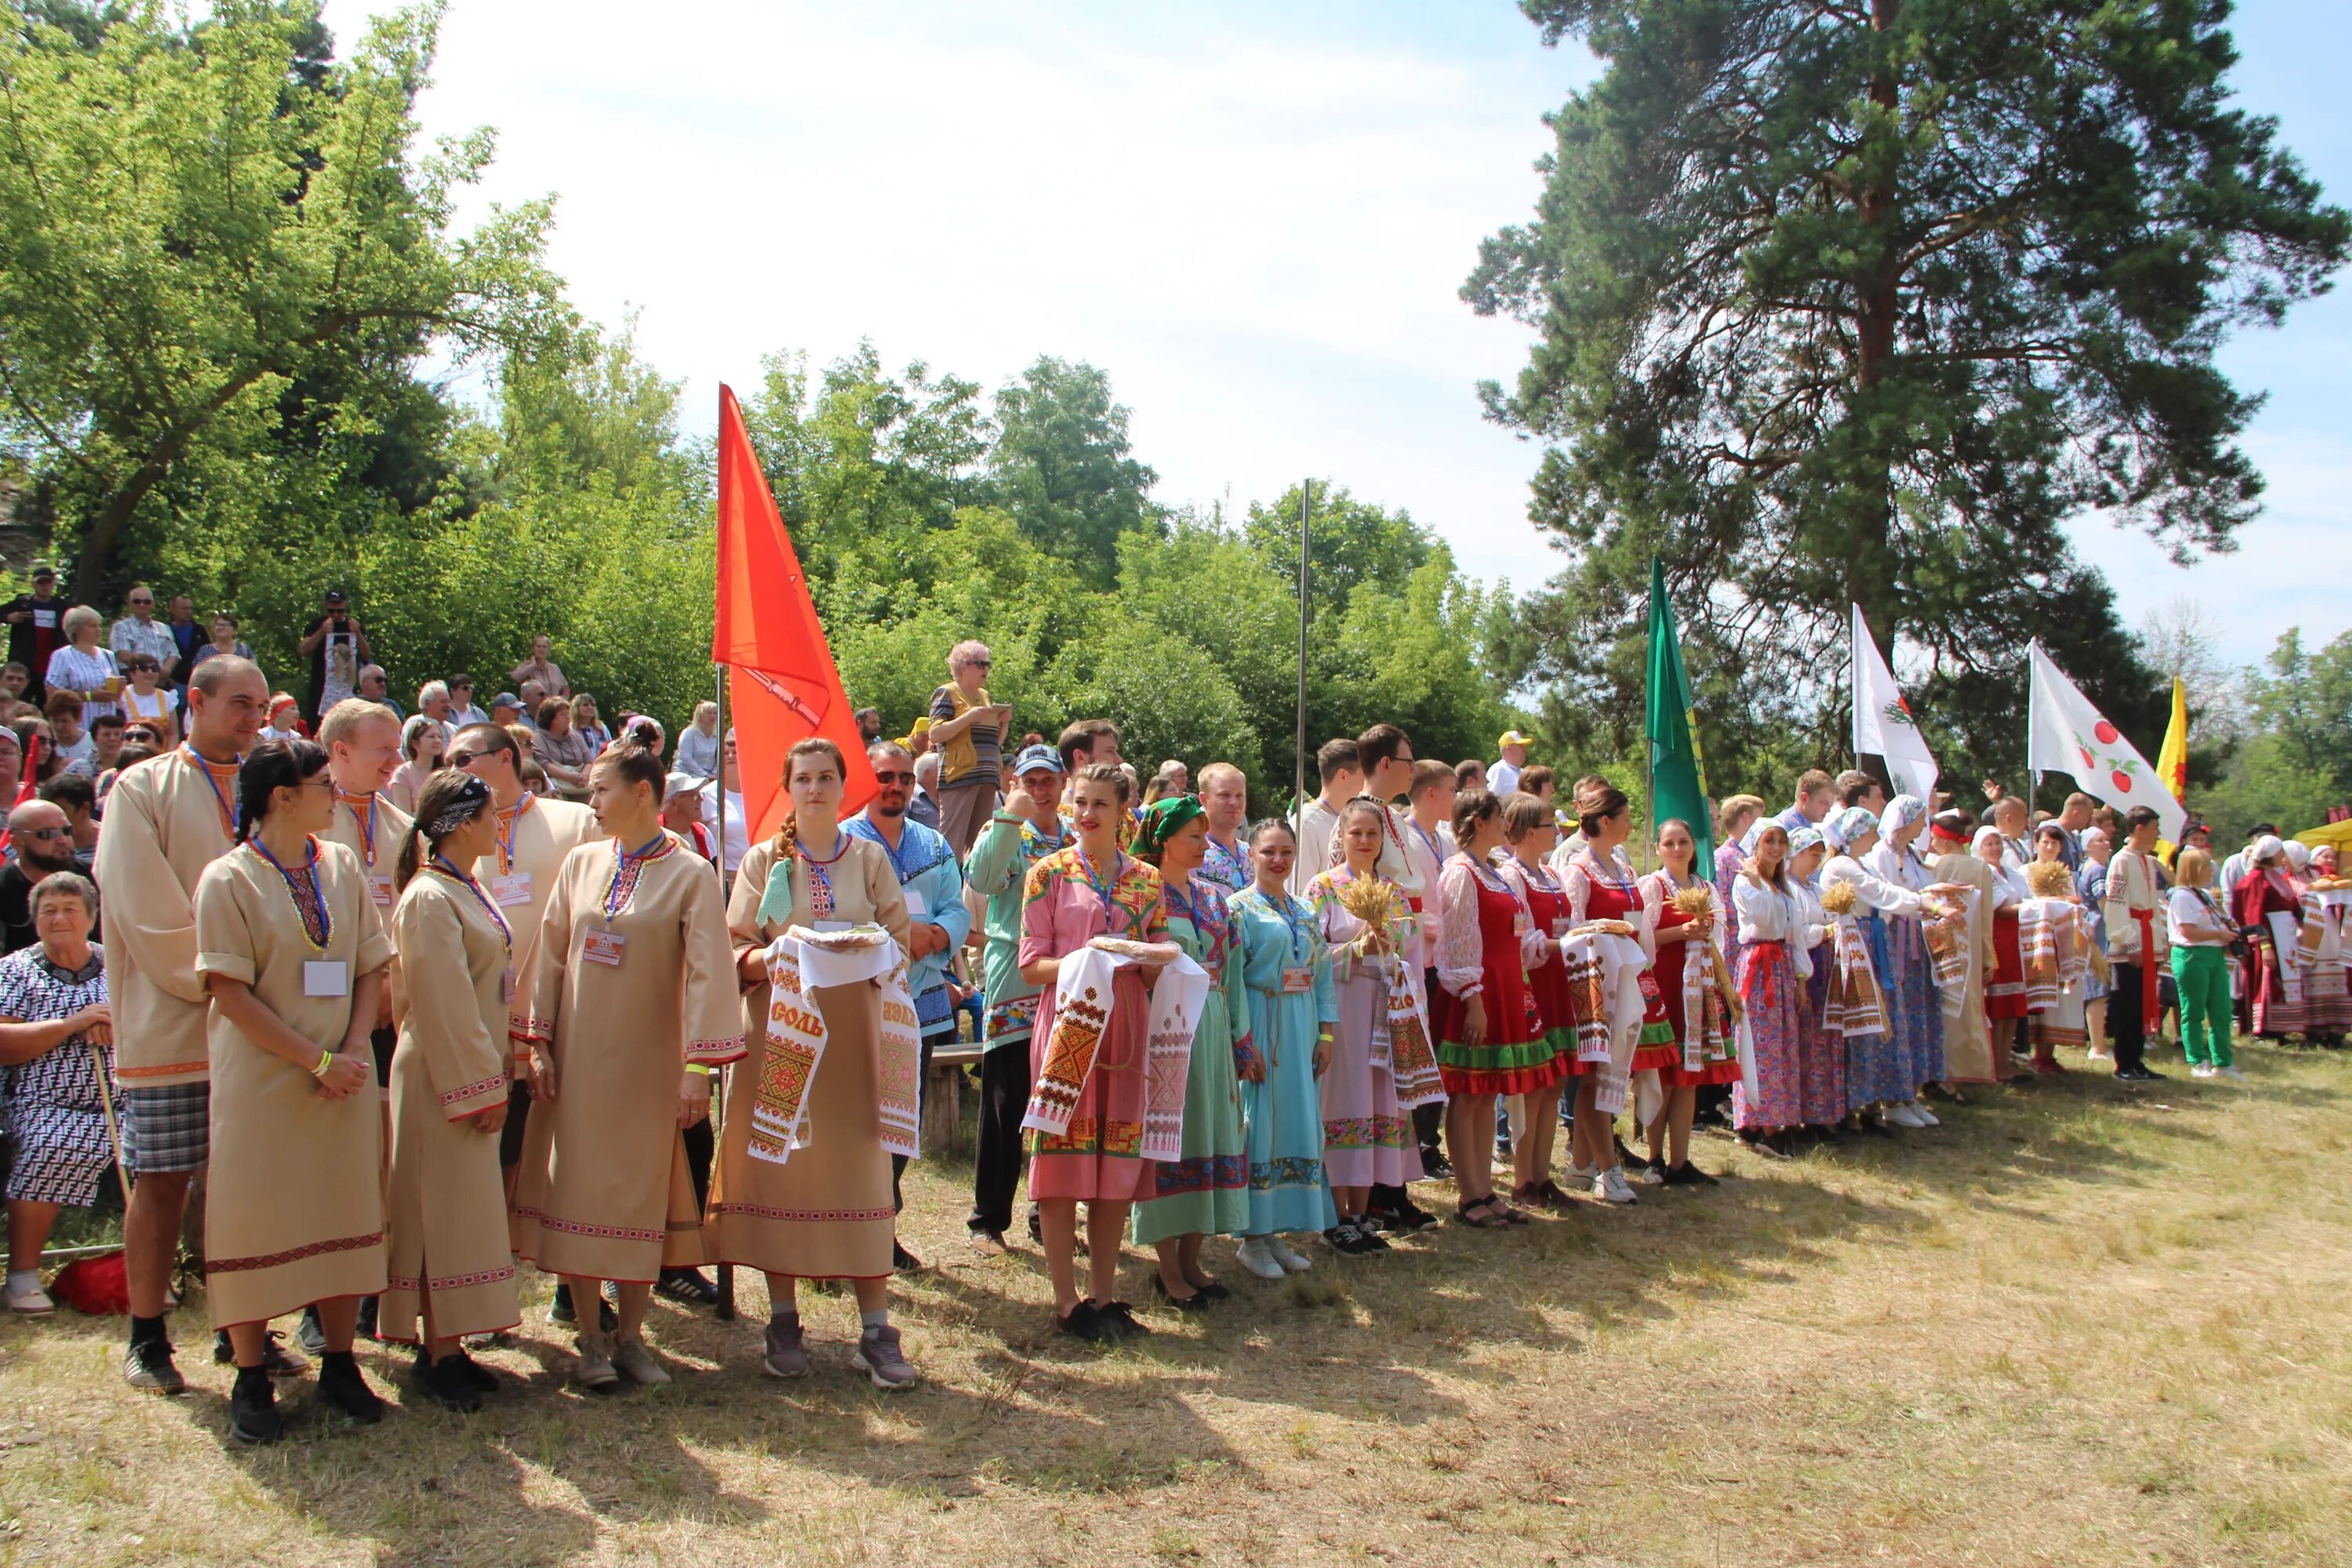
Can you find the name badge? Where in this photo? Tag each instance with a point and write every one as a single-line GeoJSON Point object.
{"type": "Point", "coordinates": [510, 890]}
{"type": "Point", "coordinates": [603, 946]}
{"type": "Point", "coordinates": [506, 984]}
{"type": "Point", "coordinates": [1295, 978]}
{"type": "Point", "coordinates": [380, 887]}
{"type": "Point", "coordinates": [326, 977]}
{"type": "Point", "coordinates": [46, 620]}
{"type": "Point", "coordinates": [918, 908]}
{"type": "Point", "coordinates": [1561, 927]}
{"type": "Point", "coordinates": [1520, 924]}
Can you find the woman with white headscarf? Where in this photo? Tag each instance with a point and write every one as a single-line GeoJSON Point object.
{"type": "Point", "coordinates": [1914, 1009]}
{"type": "Point", "coordinates": [2265, 902]}
{"type": "Point", "coordinates": [1878, 1073]}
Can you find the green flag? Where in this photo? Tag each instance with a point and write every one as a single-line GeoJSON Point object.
{"type": "Point", "coordinates": [1677, 775]}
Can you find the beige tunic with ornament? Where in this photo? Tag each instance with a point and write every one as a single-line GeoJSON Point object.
{"type": "Point", "coordinates": [165, 822]}
{"type": "Point", "coordinates": [377, 850]}
{"type": "Point", "coordinates": [447, 1222]}
{"type": "Point", "coordinates": [533, 840]}
{"type": "Point", "coordinates": [602, 1191]}
{"type": "Point", "coordinates": [827, 1214]}
{"type": "Point", "coordinates": [294, 1203]}
{"type": "Point", "coordinates": [1967, 1038]}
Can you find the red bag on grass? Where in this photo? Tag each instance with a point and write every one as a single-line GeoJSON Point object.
{"type": "Point", "coordinates": [98, 1286]}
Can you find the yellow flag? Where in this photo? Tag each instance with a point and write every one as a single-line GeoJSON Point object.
{"type": "Point", "coordinates": [2172, 762]}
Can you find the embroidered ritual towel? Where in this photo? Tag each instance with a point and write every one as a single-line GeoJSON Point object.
{"type": "Point", "coordinates": [800, 963]}
{"type": "Point", "coordinates": [1952, 944]}
{"type": "Point", "coordinates": [2286, 940]}
{"type": "Point", "coordinates": [1402, 1035]}
{"type": "Point", "coordinates": [1177, 999]}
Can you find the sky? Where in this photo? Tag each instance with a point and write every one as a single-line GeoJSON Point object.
{"type": "Point", "coordinates": [1257, 218]}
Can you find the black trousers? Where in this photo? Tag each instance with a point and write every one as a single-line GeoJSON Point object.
{"type": "Point", "coordinates": [2125, 1026]}
{"type": "Point", "coordinates": [1004, 1088]}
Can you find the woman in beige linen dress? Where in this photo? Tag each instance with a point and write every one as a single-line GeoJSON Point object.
{"type": "Point", "coordinates": [450, 1263]}
{"type": "Point", "coordinates": [292, 953]}
{"type": "Point", "coordinates": [632, 991]}
{"type": "Point", "coordinates": [826, 1214]}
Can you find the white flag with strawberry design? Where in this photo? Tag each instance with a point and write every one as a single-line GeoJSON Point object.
{"type": "Point", "coordinates": [1882, 719]}
{"type": "Point", "coordinates": [2064, 734]}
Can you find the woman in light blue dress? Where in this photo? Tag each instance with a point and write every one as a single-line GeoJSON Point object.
{"type": "Point", "coordinates": [1287, 969]}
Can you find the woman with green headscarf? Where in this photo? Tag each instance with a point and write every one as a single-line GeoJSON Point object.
{"type": "Point", "coordinates": [1206, 1192]}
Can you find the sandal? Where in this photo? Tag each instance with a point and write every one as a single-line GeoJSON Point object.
{"type": "Point", "coordinates": [1481, 1213]}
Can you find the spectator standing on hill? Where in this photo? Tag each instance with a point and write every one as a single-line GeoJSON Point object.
{"type": "Point", "coordinates": [967, 732]}
{"type": "Point", "coordinates": [540, 667]}
{"type": "Point", "coordinates": [140, 632]}
{"type": "Point", "coordinates": [698, 744]}
{"type": "Point", "coordinates": [336, 647]}
{"type": "Point", "coordinates": [37, 630]}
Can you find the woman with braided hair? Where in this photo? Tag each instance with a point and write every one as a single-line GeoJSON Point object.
{"type": "Point", "coordinates": [824, 1213]}
{"type": "Point", "coordinates": [451, 1272]}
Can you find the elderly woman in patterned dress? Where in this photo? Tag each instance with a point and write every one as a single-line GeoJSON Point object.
{"type": "Point", "coordinates": [56, 1044]}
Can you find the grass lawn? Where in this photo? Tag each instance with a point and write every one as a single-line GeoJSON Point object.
{"type": "Point", "coordinates": [2077, 1324]}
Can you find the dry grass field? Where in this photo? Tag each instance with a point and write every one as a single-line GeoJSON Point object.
{"type": "Point", "coordinates": [2076, 1325]}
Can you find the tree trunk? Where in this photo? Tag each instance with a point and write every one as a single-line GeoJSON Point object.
{"type": "Point", "coordinates": [1878, 298]}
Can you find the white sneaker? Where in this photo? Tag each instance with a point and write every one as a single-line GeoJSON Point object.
{"type": "Point", "coordinates": [1647, 1176]}
{"type": "Point", "coordinates": [1903, 1116]}
{"type": "Point", "coordinates": [2230, 1072]}
{"type": "Point", "coordinates": [30, 1298]}
{"type": "Point", "coordinates": [1295, 1262]}
{"type": "Point", "coordinates": [1609, 1188]}
{"type": "Point", "coordinates": [2204, 1070]}
{"type": "Point", "coordinates": [1254, 1258]}
{"type": "Point", "coordinates": [1926, 1117]}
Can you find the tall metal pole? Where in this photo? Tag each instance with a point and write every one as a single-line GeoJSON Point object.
{"type": "Point", "coordinates": [725, 1311]}
{"type": "Point", "coordinates": [1298, 803]}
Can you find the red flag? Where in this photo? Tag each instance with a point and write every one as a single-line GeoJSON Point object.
{"type": "Point", "coordinates": [782, 685]}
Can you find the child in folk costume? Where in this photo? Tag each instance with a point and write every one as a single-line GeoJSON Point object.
{"type": "Point", "coordinates": [1381, 1063]}
{"type": "Point", "coordinates": [1600, 886]}
{"type": "Point", "coordinates": [1879, 1081]}
{"type": "Point", "coordinates": [2201, 932]}
{"type": "Point", "coordinates": [1774, 961]}
{"type": "Point", "coordinates": [2061, 953]}
{"type": "Point", "coordinates": [1914, 1012]}
{"type": "Point", "coordinates": [1687, 927]}
{"type": "Point", "coordinates": [2005, 992]}
{"type": "Point", "coordinates": [632, 999]}
{"type": "Point", "coordinates": [1089, 1052]}
{"type": "Point", "coordinates": [803, 1184]}
{"type": "Point", "coordinates": [1206, 1192]}
{"type": "Point", "coordinates": [1490, 1040]}
{"type": "Point", "coordinates": [1293, 1011]}
{"type": "Point", "coordinates": [291, 949]}
{"type": "Point", "coordinates": [451, 1272]}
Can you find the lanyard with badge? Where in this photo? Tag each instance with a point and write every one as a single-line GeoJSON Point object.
{"type": "Point", "coordinates": [321, 976]}
{"type": "Point", "coordinates": [443, 864]}
{"type": "Point", "coordinates": [378, 882]}
{"type": "Point", "coordinates": [603, 945]}
{"type": "Point", "coordinates": [1298, 975]}
{"type": "Point", "coordinates": [510, 888]}
{"type": "Point", "coordinates": [1103, 890]}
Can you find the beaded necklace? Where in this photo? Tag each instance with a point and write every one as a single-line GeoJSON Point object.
{"type": "Point", "coordinates": [441, 863]}
{"type": "Point", "coordinates": [318, 925]}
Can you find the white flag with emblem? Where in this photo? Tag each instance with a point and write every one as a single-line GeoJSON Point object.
{"type": "Point", "coordinates": [2064, 734]}
{"type": "Point", "coordinates": [1883, 721]}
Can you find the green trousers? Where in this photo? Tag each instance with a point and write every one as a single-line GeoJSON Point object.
{"type": "Point", "coordinates": [2203, 974]}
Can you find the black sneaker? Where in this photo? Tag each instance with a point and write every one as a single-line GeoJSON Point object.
{"type": "Point", "coordinates": [1407, 1219]}
{"type": "Point", "coordinates": [688, 1286]}
{"type": "Point", "coordinates": [341, 1388]}
{"type": "Point", "coordinates": [1086, 1323]}
{"type": "Point", "coordinates": [445, 1383]}
{"type": "Point", "coordinates": [480, 1376]}
{"type": "Point", "coordinates": [148, 1364]}
{"type": "Point", "coordinates": [1346, 1238]}
{"type": "Point", "coordinates": [252, 1408]}
{"type": "Point", "coordinates": [1198, 1301]}
{"type": "Point", "coordinates": [309, 1335]}
{"type": "Point", "coordinates": [1369, 1236]}
{"type": "Point", "coordinates": [1120, 1319]}
{"type": "Point", "coordinates": [1626, 1157]}
{"type": "Point", "coordinates": [1435, 1167]}
{"type": "Point", "coordinates": [1689, 1175]}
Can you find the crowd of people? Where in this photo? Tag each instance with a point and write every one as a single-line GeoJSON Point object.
{"type": "Point", "coordinates": [429, 996]}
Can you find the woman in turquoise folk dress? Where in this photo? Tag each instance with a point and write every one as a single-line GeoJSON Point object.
{"type": "Point", "coordinates": [1205, 1193]}
{"type": "Point", "coordinates": [1286, 970]}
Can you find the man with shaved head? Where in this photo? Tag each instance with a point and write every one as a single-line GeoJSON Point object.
{"type": "Point", "coordinates": [167, 820]}
{"type": "Point", "coordinates": [43, 838]}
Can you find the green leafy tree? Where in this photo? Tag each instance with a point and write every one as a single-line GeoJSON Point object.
{"type": "Point", "coordinates": [1061, 466]}
{"type": "Point", "coordinates": [197, 222]}
{"type": "Point", "coordinates": [1860, 300]}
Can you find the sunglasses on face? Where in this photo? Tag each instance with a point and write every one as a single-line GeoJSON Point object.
{"type": "Point", "coordinates": [894, 778]}
{"type": "Point", "coordinates": [47, 833]}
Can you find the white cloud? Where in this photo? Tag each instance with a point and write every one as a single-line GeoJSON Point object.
{"type": "Point", "coordinates": [1255, 218]}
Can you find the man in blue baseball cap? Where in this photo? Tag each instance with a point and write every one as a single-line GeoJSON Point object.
{"type": "Point", "coordinates": [1026, 827]}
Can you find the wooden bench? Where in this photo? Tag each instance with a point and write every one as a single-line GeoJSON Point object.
{"type": "Point", "coordinates": [943, 1096]}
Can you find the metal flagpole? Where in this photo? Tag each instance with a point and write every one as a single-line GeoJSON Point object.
{"type": "Point", "coordinates": [725, 1311]}
{"type": "Point", "coordinates": [1298, 782]}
